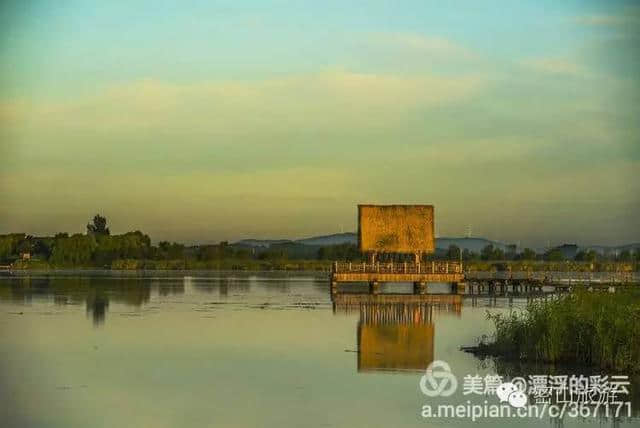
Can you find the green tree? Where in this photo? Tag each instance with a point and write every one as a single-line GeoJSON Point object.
{"type": "Point", "coordinates": [489, 252]}
{"type": "Point", "coordinates": [469, 255]}
{"type": "Point", "coordinates": [26, 245]}
{"type": "Point", "coordinates": [453, 253]}
{"type": "Point", "coordinates": [554, 255]}
{"type": "Point", "coordinates": [42, 247]}
{"type": "Point", "coordinates": [98, 226]}
{"type": "Point", "coordinates": [625, 256]}
{"type": "Point", "coordinates": [9, 245]}
{"type": "Point", "coordinates": [75, 250]}
{"type": "Point", "coordinates": [586, 256]}
{"type": "Point", "coordinates": [131, 245]}
{"type": "Point", "coordinates": [528, 254]}
{"type": "Point", "coordinates": [170, 250]}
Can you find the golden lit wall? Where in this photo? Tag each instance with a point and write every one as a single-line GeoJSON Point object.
{"type": "Point", "coordinates": [396, 228]}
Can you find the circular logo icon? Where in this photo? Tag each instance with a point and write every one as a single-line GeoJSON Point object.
{"type": "Point", "coordinates": [513, 392]}
{"type": "Point", "coordinates": [518, 399]}
{"type": "Point", "coordinates": [438, 381]}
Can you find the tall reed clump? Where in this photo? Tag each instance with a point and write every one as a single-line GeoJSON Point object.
{"type": "Point", "coordinates": [583, 328]}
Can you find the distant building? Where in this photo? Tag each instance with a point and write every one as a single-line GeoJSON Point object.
{"type": "Point", "coordinates": [568, 251]}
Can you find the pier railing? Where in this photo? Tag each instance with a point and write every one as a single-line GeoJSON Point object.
{"type": "Point", "coordinates": [556, 277]}
{"type": "Point", "coordinates": [433, 267]}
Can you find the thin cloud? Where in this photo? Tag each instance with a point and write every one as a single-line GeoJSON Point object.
{"type": "Point", "coordinates": [558, 66]}
{"type": "Point", "coordinates": [311, 101]}
{"type": "Point", "coordinates": [630, 18]}
{"type": "Point", "coordinates": [427, 45]}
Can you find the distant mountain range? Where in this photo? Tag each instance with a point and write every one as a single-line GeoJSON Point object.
{"type": "Point", "coordinates": [472, 244]}
{"type": "Point", "coordinates": [318, 241]}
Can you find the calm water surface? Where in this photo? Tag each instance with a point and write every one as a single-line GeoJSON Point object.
{"type": "Point", "coordinates": [215, 349]}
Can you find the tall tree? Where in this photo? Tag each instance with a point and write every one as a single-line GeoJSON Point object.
{"type": "Point", "coordinates": [98, 227]}
{"type": "Point", "coordinates": [453, 253]}
{"type": "Point", "coordinates": [528, 254]}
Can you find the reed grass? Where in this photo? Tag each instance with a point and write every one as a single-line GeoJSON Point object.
{"type": "Point", "coordinates": [583, 328]}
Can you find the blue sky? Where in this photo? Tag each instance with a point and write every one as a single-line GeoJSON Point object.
{"type": "Point", "coordinates": [276, 118]}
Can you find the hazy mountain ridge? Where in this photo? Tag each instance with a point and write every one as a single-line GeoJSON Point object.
{"type": "Point", "coordinates": [470, 243]}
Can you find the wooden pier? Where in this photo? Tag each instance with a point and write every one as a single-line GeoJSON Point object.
{"type": "Point", "coordinates": [502, 283]}
{"type": "Point", "coordinates": [492, 283]}
{"type": "Point", "coordinates": [420, 274]}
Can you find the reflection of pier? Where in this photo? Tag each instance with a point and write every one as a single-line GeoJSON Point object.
{"type": "Point", "coordinates": [395, 307]}
{"type": "Point", "coordinates": [395, 331]}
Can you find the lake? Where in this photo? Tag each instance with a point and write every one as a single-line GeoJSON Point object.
{"type": "Point", "coordinates": [196, 349]}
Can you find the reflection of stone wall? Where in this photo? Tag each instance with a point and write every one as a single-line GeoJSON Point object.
{"type": "Point", "coordinates": [396, 228]}
{"type": "Point", "coordinates": [395, 347]}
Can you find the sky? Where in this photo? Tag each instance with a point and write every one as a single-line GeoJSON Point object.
{"type": "Point", "coordinates": [206, 121]}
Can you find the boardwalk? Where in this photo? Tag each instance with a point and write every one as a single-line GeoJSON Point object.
{"type": "Point", "coordinates": [417, 273]}
{"type": "Point", "coordinates": [526, 282]}
{"type": "Point", "coordinates": [476, 282]}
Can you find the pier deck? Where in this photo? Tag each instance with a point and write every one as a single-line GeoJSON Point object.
{"type": "Point", "coordinates": [397, 272]}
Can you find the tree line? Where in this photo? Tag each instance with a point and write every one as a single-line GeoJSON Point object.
{"type": "Point", "coordinates": [133, 250]}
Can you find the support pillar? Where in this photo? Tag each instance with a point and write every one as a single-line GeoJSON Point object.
{"type": "Point", "coordinates": [374, 287]}
{"type": "Point", "coordinates": [419, 287]}
{"type": "Point", "coordinates": [461, 287]}
{"type": "Point", "coordinates": [334, 287]}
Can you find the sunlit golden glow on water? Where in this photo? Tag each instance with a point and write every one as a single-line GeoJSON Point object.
{"type": "Point", "coordinates": [228, 350]}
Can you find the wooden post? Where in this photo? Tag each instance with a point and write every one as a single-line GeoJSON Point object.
{"type": "Point", "coordinates": [374, 287]}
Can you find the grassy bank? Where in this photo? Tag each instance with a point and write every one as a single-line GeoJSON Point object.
{"type": "Point", "coordinates": [590, 329]}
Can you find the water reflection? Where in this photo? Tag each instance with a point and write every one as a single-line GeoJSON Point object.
{"type": "Point", "coordinates": [97, 305]}
{"type": "Point", "coordinates": [262, 338]}
{"type": "Point", "coordinates": [225, 285]}
{"type": "Point", "coordinates": [96, 294]}
{"type": "Point", "coordinates": [395, 332]}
